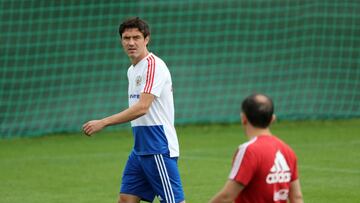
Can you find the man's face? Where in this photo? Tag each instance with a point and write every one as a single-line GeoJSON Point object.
{"type": "Point", "coordinates": [134, 43]}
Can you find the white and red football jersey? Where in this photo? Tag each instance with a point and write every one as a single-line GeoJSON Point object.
{"type": "Point", "coordinates": [154, 132]}
{"type": "Point", "coordinates": [266, 166]}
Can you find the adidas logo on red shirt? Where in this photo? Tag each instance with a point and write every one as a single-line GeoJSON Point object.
{"type": "Point", "coordinates": [280, 172]}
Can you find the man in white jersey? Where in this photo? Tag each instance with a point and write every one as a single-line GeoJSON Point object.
{"type": "Point", "coordinates": [151, 170]}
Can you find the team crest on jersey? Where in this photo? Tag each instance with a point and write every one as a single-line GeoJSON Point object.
{"type": "Point", "coordinates": [138, 80]}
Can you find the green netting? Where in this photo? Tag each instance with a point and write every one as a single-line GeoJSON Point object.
{"type": "Point", "coordinates": [62, 64]}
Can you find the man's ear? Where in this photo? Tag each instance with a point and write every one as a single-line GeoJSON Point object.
{"type": "Point", "coordinates": [147, 40]}
{"type": "Point", "coordinates": [273, 118]}
{"type": "Point", "coordinates": [244, 120]}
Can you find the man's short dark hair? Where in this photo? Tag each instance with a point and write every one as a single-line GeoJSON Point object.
{"type": "Point", "coordinates": [135, 22]}
{"type": "Point", "coordinates": [258, 109]}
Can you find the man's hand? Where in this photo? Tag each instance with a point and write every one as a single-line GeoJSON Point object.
{"type": "Point", "coordinates": [93, 126]}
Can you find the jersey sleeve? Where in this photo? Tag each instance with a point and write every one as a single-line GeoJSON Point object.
{"type": "Point", "coordinates": [155, 77]}
{"type": "Point", "coordinates": [244, 165]}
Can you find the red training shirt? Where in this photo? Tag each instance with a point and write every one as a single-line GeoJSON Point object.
{"type": "Point", "coordinates": [265, 165]}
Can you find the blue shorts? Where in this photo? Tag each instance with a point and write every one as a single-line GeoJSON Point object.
{"type": "Point", "coordinates": [148, 176]}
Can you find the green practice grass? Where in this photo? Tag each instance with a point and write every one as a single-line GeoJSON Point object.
{"type": "Point", "coordinates": [74, 168]}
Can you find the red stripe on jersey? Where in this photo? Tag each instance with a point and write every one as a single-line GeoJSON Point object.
{"type": "Point", "coordinates": [147, 74]}
{"type": "Point", "coordinates": [150, 74]}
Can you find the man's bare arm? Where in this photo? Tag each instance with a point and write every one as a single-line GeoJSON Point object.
{"type": "Point", "coordinates": [295, 194]}
{"type": "Point", "coordinates": [228, 193]}
{"type": "Point", "coordinates": [135, 111]}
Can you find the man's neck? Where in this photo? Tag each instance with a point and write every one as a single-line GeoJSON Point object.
{"type": "Point", "coordinates": [254, 132]}
{"type": "Point", "coordinates": [141, 57]}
